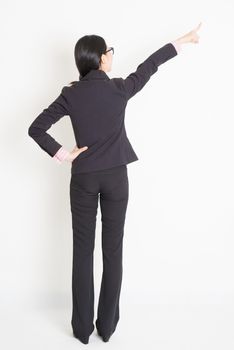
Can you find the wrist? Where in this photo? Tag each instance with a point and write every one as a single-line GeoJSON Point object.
{"type": "Point", "coordinates": [181, 40]}
{"type": "Point", "coordinates": [61, 155]}
{"type": "Point", "coordinates": [177, 45]}
{"type": "Point", "coordinates": [68, 157]}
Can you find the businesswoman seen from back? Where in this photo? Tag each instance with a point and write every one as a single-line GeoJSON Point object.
{"type": "Point", "coordinates": [96, 106]}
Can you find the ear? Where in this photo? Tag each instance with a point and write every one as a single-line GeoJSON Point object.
{"type": "Point", "coordinates": [103, 59]}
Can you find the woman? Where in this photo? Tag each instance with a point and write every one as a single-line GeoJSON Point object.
{"type": "Point", "coordinates": [96, 105]}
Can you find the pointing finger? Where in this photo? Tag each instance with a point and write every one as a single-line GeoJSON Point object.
{"type": "Point", "coordinates": [199, 26]}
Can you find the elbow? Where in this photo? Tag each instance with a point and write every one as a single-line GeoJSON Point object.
{"type": "Point", "coordinates": [31, 131]}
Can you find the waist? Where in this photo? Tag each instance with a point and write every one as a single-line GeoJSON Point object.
{"type": "Point", "coordinates": [107, 170]}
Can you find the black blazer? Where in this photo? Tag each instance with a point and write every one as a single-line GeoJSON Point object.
{"type": "Point", "coordinates": [96, 106]}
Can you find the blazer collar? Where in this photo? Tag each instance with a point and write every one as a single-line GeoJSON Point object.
{"type": "Point", "coordinates": [96, 74]}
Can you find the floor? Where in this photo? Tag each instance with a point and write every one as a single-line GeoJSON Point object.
{"type": "Point", "coordinates": [163, 326]}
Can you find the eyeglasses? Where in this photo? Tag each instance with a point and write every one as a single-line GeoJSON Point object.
{"type": "Point", "coordinates": [111, 48]}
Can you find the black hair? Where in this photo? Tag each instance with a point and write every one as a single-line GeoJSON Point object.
{"type": "Point", "coordinates": [88, 51]}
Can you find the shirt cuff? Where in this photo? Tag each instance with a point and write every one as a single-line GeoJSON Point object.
{"type": "Point", "coordinates": [61, 154]}
{"type": "Point", "coordinates": [177, 45]}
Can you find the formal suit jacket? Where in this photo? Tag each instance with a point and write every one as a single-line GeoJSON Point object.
{"type": "Point", "coordinates": [96, 106]}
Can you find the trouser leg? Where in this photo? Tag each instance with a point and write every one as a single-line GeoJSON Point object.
{"type": "Point", "coordinates": [84, 204]}
{"type": "Point", "coordinates": [113, 203]}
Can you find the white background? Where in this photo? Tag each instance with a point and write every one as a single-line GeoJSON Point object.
{"type": "Point", "coordinates": [178, 286]}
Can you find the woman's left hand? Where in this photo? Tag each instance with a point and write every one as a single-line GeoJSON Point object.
{"type": "Point", "coordinates": [190, 37]}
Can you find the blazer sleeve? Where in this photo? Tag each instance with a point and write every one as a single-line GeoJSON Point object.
{"type": "Point", "coordinates": [135, 81]}
{"type": "Point", "coordinates": [50, 115]}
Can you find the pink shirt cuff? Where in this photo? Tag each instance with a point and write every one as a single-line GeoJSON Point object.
{"type": "Point", "coordinates": [177, 45]}
{"type": "Point", "coordinates": [61, 154]}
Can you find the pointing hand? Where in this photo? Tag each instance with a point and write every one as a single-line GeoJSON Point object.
{"type": "Point", "coordinates": [190, 37]}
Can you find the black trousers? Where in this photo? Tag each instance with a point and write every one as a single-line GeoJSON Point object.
{"type": "Point", "coordinates": [112, 188]}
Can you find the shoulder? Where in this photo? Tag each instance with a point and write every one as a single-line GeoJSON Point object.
{"type": "Point", "coordinates": [119, 83]}
{"type": "Point", "coordinates": [67, 89]}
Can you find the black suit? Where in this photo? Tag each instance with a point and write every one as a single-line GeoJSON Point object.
{"type": "Point", "coordinates": [96, 105]}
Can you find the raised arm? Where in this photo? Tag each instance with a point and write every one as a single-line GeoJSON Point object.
{"type": "Point", "coordinates": [135, 81]}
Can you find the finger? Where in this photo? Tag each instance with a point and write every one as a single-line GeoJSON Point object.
{"type": "Point", "coordinates": [199, 26]}
{"type": "Point", "coordinates": [82, 149]}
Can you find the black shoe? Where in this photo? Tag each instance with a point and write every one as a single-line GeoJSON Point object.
{"type": "Point", "coordinates": [84, 341]}
{"type": "Point", "coordinates": [104, 338]}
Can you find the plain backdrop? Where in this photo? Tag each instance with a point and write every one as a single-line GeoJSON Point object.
{"type": "Point", "coordinates": [178, 287]}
